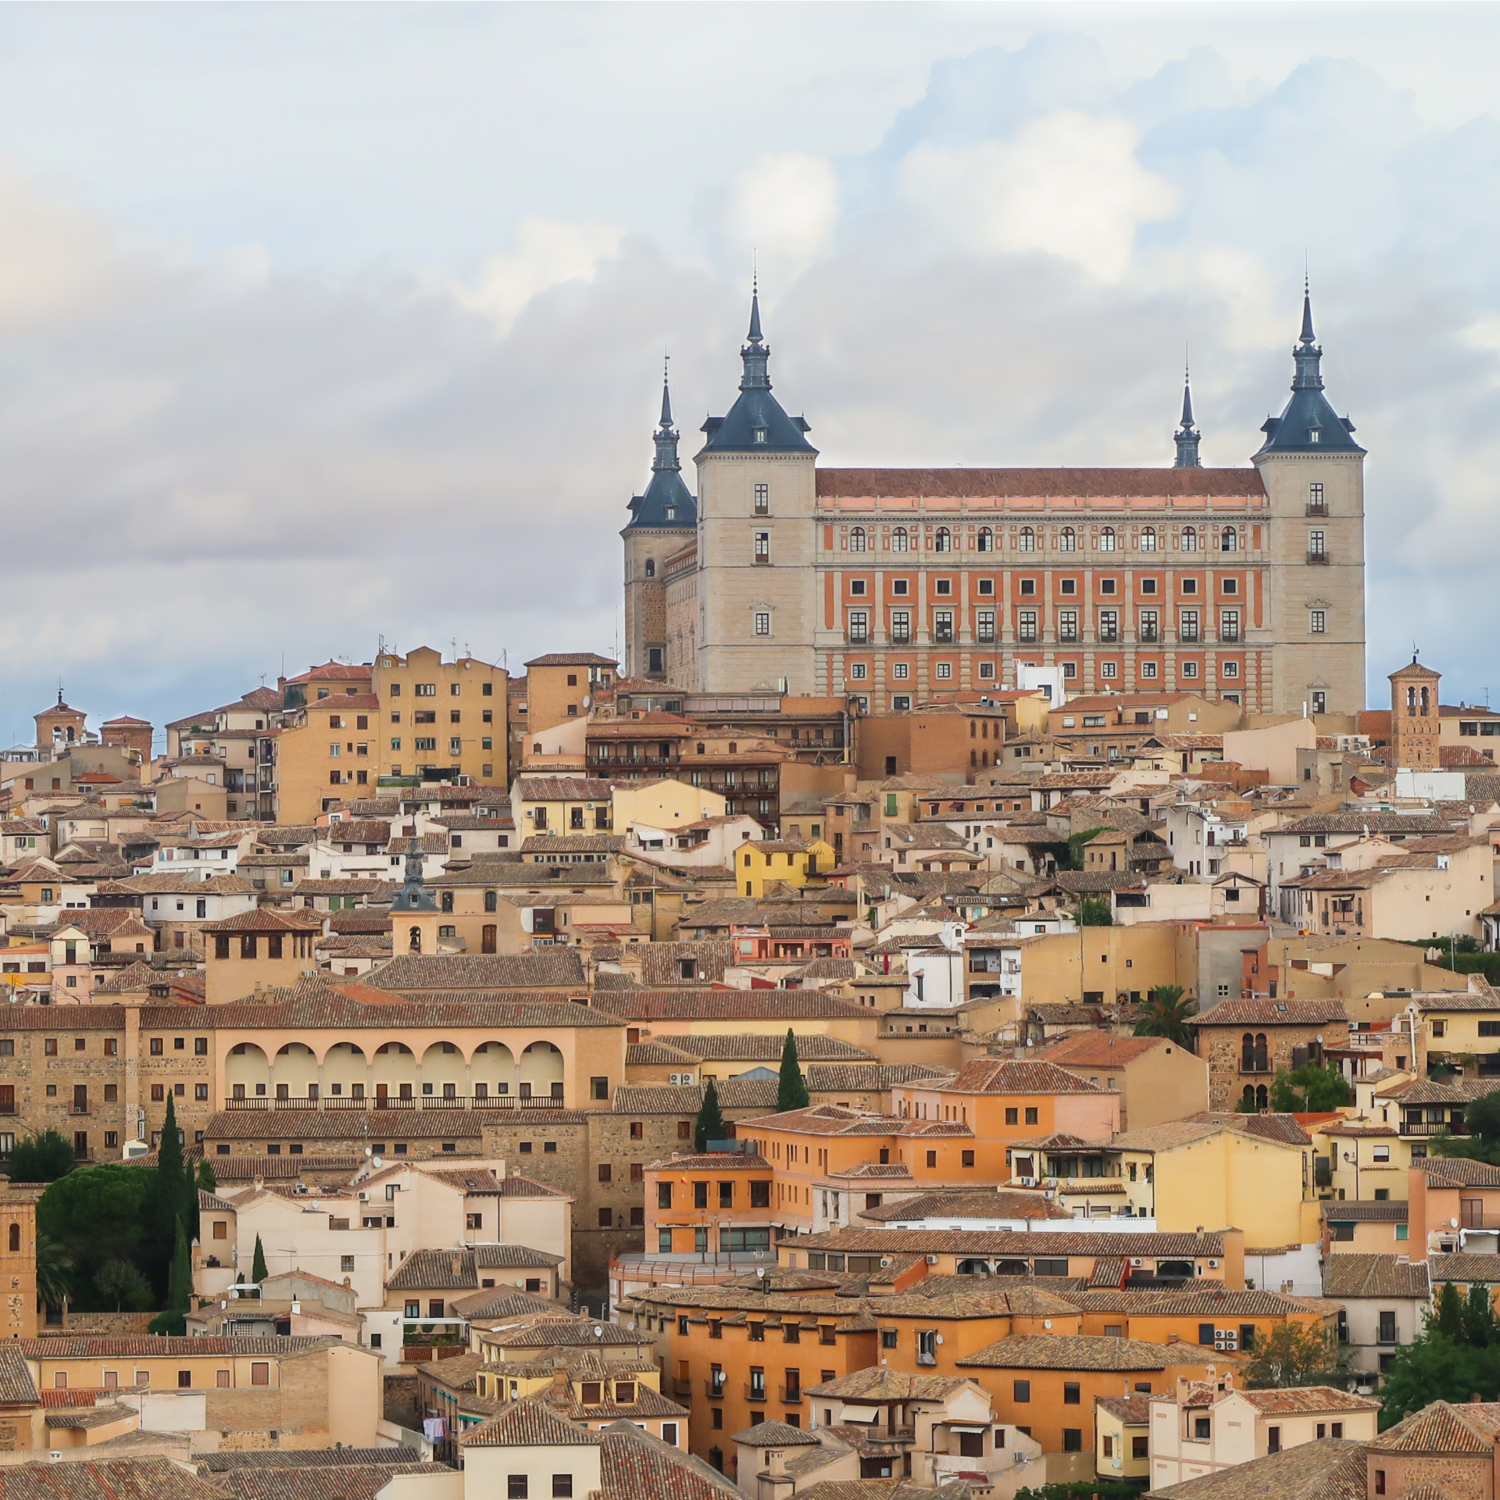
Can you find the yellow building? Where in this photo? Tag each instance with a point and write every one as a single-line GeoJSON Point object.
{"type": "Point", "coordinates": [760, 862]}
{"type": "Point", "coordinates": [664, 804]}
{"type": "Point", "coordinates": [328, 751]}
{"type": "Point", "coordinates": [1122, 1427]}
{"type": "Point", "coordinates": [1368, 1161]}
{"type": "Point", "coordinates": [1192, 1172]}
{"type": "Point", "coordinates": [561, 805]}
{"type": "Point", "coordinates": [438, 715]}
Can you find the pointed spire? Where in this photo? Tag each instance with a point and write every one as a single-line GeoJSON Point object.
{"type": "Point", "coordinates": [756, 353]}
{"type": "Point", "coordinates": [1308, 357]}
{"type": "Point", "coordinates": [1308, 336]}
{"type": "Point", "coordinates": [666, 394]}
{"type": "Point", "coordinates": [1187, 436]}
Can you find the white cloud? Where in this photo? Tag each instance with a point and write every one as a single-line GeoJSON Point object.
{"type": "Point", "coordinates": [785, 208]}
{"type": "Point", "coordinates": [548, 253]}
{"type": "Point", "coordinates": [1068, 184]}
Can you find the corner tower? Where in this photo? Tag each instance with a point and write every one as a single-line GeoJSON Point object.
{"type": "Point", "coordinates": [1313, 472]}
{"type": "Point", "coordinates": [1414, 718]}
{"type": "Point", "coordinates": [756, 539]}
{"type": "Point", "coordinates": [662, 522]}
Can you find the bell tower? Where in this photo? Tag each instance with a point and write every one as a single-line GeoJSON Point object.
{"type": "Point", "coordinates": [1414, 718]}
{"type": "Point", "coordinates": [662, 522]}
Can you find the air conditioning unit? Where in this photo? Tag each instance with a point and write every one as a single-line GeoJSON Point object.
{"type": "Point", "coordinates": [1213, 1265]}
{"type": "Point", "coordinates": [1137, 1261]}
{"type": "Point", "coordinates": [301, 1187]}
{"type": "Point", "coordinates": [885, 1260]}
{"type": "Point", "coordinates": [363, 1197]}
{"type": "Point", "coordinates": [932, 1260]}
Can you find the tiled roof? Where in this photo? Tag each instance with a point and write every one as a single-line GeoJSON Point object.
{"type": "Point", "coordinates": [775, 1435]}
{"type": "Point", "coordinates": [563, 789]}
{"type": "Point", "coordinates": [1458, 1170]}
{"type": "Point", "coordinates": [1000, 1242]}
{"type": "Point", "coordinates": [728, 1005]}
{"type": "Point", "coordinates": [711, 1161]}
{"type": "Point", "coordinates": [494, 1302]}
{"type": "Point", "coordinates": [1251, 1302]}
{"type": "Point", "coordinates": [567, 1331]}
{"type": "Point", "coordinates": [1000, 1076]}
{"type": "Point", "coordinates": [528, 1423]}
{"type": "Point", "coordinates": [346, 1125]}
{"type": "Point", "coordinates": [1307, 1398]}
{"type": "Point", "coordinates": [346, 1481]}
{"type": "Point", "coordinates": [287, 1458]}
{"type": "Point", "coordinates": [1443, 1427]}
{"type": "Point", "coordinates": [321, 1007]}
{"type": "Point", "coordinates": [981, 1204]}
{"type": "Point", "coordinates": [811, 1047]}
{"type": "Point", "coordinates": [834, 1119]}
{"type": "Point", "coordinates": [1100, 1049]}
{"type": "Point", "coordinates": [1374, 1276]}
{"type": "Point", "coordinates": [1272, 1013]}
{"type": "Point", "coordinates": [262, 919]}
{"type": "Point", "coordinates": [1461, 1266]}
{"type": "Point", "coordinates": [1385, 1212]}
{"type": "Point", "coordinates": [657, 1054]}
{"type": "Point", "coordinates": [110, 1346]}
{"type": "Point", "coordinates": [16, 1384]}
{"type": "Point", "coordinates": [144, 1478]}
{"type": "Point", "coordinates": [851, 1078]}
{"type": "Point", "coordinates": [687, 1099]}
{"type": "Point", "coordinates": [1329, 1470]}
{"type": "Point", "coordinates": [880, 1383]}
{"type": "Point", "coordinates": [410, 972]}
{"type": "Point", "coordinates": [1082, 1351]}
{"type": "Point", "coordinates": [636, 1464]}
{"type": "Point", "coordinates": [1366, 822]}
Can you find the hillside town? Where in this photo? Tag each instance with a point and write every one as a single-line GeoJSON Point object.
{"type": "Point", "coordinates": [1043, 1076]}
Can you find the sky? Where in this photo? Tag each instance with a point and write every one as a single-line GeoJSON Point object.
{"type": "Point", "coordinates": [322, 325]}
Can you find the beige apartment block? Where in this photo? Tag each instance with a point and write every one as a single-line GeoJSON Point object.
{"type": "Point", "coordinates": [441, 715]}
{"type": "Point", "coordinates": [890, 587]}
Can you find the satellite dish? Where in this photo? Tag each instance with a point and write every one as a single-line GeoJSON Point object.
{"type": "Point", "coordinates": [1452, 1223]}
{"type": "Point", "coordinates": [377, 1161]}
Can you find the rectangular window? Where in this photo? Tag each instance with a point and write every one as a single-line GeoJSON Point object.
{"type": "Point", "coordinates": [1021, 1391]}
{"type": "Point", "coordinates": [1026, 625]}
{"type": "Point", "coordinates": [900, 627]}
{"type": "Point", "coordinates": [984, 625]}
{"type": "Point", "coordinates": [1317, 621]}
{"type": "Point", "coordinates": [762, 622]}
{"type": "Point", "coordinates": [762, 546]}
{"type": "Point", "coordinates": [1150, 625]}
{"type": "Point", "coordinates": [1317, 544]}
{"type": "Point", "coordinates": [762, 499]}
{"type": "Point", "coordinates": [1071, 1393]}
{"type": "Point", "coordinates": [859, 627]}
{"type": "Point", "coordinates": [942, 626]}
{"type": "Point", "coordinates": [516, 1487]}
{"type": "Point", "coordinates": [1109, 625]}
{"type": "Point", "coordinates": [260, 1373]}
{"type": "Point", "coordinates": [1067, 624]}
{"type": "Point", "coordinates": [1187, 625]}
{"type": "Point", "coordinates": [1229, 624]}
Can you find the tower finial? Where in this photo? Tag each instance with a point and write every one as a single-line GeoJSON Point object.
{"type": "Point", "coordinates": [666, 394]}
{"type": "Point", "coordinates": [755, 335]}
{"type": "Point", "coordinates": [1307, 336]}
{"type": "Point", "coordinates": [1187, 436]}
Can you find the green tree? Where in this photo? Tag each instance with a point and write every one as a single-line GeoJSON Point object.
{"type": "Point", "coordinates": [54, 1286]}
{"type": "Point", "coordinates": [41, 1158]}
{"type": "Point", "coordinates": [1093, 911]}
{"type": "Point", "coordinates": [791, 1091]}
{"type": "Point", "coordinates": [1076, 841]}
{"type": "Point", "coordinates": [1449, 1319]}
{"type": "Point", "coordinates": [1482, 1116]}
{"type": "Point", "coordinates": [207, 1182]}
{"type": "Point", "coordinates": [176, 1193]}
{"type": "Point", "coordinates": [258, 1271]}
{"type": "Point", "coordinates": [1436, 1368]}
{"type": "Point", "coordinates": [1167, 1013]}
{"type": "Point", "coordinates": [710, 1125]}
{"type": "Point", "coordinates": [1309, 1090]}
{"type": "Point", "coordinates": [1480, 1328]}
{"type": "Point", "coordinates": [1294, 1355]}
{"type": "Point", "coordinates": [121, 1282]}
{"type": "Point", "coordinates": [96, 1214]}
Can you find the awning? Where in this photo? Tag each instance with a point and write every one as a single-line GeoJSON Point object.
{"type": "Point", "coordinates": [860, 1414]}
{"type": "Point", "coordinates": [963, 1427]}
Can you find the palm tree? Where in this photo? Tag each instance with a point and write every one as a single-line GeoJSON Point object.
{"type": "Point", "coordinates": [52, 1266]}
{"type": "Point", "coordinates": [1167, 1013]}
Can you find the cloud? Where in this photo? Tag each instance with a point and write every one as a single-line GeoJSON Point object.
{"type": "Point", "coordinates": [548, 253]}
{"type": "Point", "coordinates": [1067, 184]}
{"type": "Point", "coordinates": [783, 207]}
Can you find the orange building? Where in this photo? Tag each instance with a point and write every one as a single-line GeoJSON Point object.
{"type": "Point", "coordinates": [716, 1202]}
{"type": "Point", "coordinates": [817, 1155]}
{"type": "Point", "coordinates": [1005, 1102]}
{"type": "Point", "coordinates": [1046, 1384]}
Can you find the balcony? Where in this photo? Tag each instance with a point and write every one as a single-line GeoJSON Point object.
{"type": "Point", "coordinates": [858, 637]}
{"type": "Point", "coordinates": [1229, 633]}
{"type": "Point", "coordinates": [1369, 1039]}
{"type": "Point", "coordinates": [943, 635]}
{"type": "Point", "coordinates": [1108, 633]}
{"type": "Point", "coordinates": [386, 1102]}
{"type": "Point", "coordinates": [1149, 634]}
{"type": "Point", "coordinates": [754, 1392]}
{"type": "Point", "coordinates": [1317, 507]}
{"type": "Point", "coordinates": [683, 1389]}
{"type": "Point", "coordinates": [1067, 634]}
{"type": "Point", "coordinates": [1469, 1219]}
{"type": "Point", "coordinates": [1422, 1128]}
{"type": "Point", "coordinates": [1260, 1063]}
{"type": "Point", "coordinates": [714, 1389]}
{"type": "Point", "coordinates": [1189, 635]}
{"type": "Point", "coordinates": [1317, 559]}
{"type": "Point", "coordinates": [789, 1395]}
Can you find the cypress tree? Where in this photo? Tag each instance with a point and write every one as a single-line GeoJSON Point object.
{"type": "Point", "coordinates": [1480, 1330]}
{"type": "Point", "coordinates": [710, 1125]}
{"type": "Point", "coordinates": [207, 1182]}
{"type": "Point", "coordinates": [258, 1271]}
{"type": "Point", "coordinates": [791, 1091]}
{"type": "Point", "coordinates": [1450, 1313]}
{"type": "Point", "coordinates": [180, 1277]}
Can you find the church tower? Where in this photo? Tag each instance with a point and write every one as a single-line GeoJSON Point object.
{"type": "Point", "coordinates": [1313, 472]}
{"type": "Point", "coordinates": [757, 545]}
{"type": "Point", "coordinates": [1414, 718]}
{"type": "Point", "coordinates": [662, 521]}
{"type": "Point", "coordinates": [1187, 436]}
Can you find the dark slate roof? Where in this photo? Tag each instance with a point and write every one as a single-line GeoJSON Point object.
{"type": "Point", "coordinates": [757, 413]}
{"type": "Point", "coordinates": [666, 491]}
{"type": "Point", "coordinates": [1308, 424]}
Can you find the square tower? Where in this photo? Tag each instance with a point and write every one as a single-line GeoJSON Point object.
{"type": "Point", "coordinates": [1414, 718]}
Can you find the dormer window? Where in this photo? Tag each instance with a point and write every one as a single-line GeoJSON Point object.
{"type": "Point", "coordinates": [671, 512]}
{"type": "Point", "coordinates": [1313, 435]}
{"type": "Point", "coordinates": [760, 434]}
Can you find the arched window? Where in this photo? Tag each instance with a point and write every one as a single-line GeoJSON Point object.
{"type": "Point", "coordinates": [491, 901]}
{"type": "Point", "coordinates": [1229, 540]}
{"type": "Point", "coordinates": [414, 940]}
{"type": "Point", "coordinates": [1107, 539]}
{"type": "Point", "coordinates": [1247, 1053]}
{"type": "Point", "coordinates": [1067, 540]}
{"type": "Point", "coordinates": [986, 540]}
{"type": "Point", "coordinates": [650, 567]}
{"type": "Point", "coordinates": [15, 1238]}
{"type": "Point", "coordinates": [943, 541]}
{"type": "Point", "coordinates": [857, 539]}
{"type": "Point", "coordinates": [1148, 539]}
{"type": "Point", "coordinates": [898, 539]}
{"type": "Point", "coordinates": [447, 901]}
{"type": "Point", "coordinates": [1028, 539]}
{"type": "Point", "coordinates": [1189, 539]}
